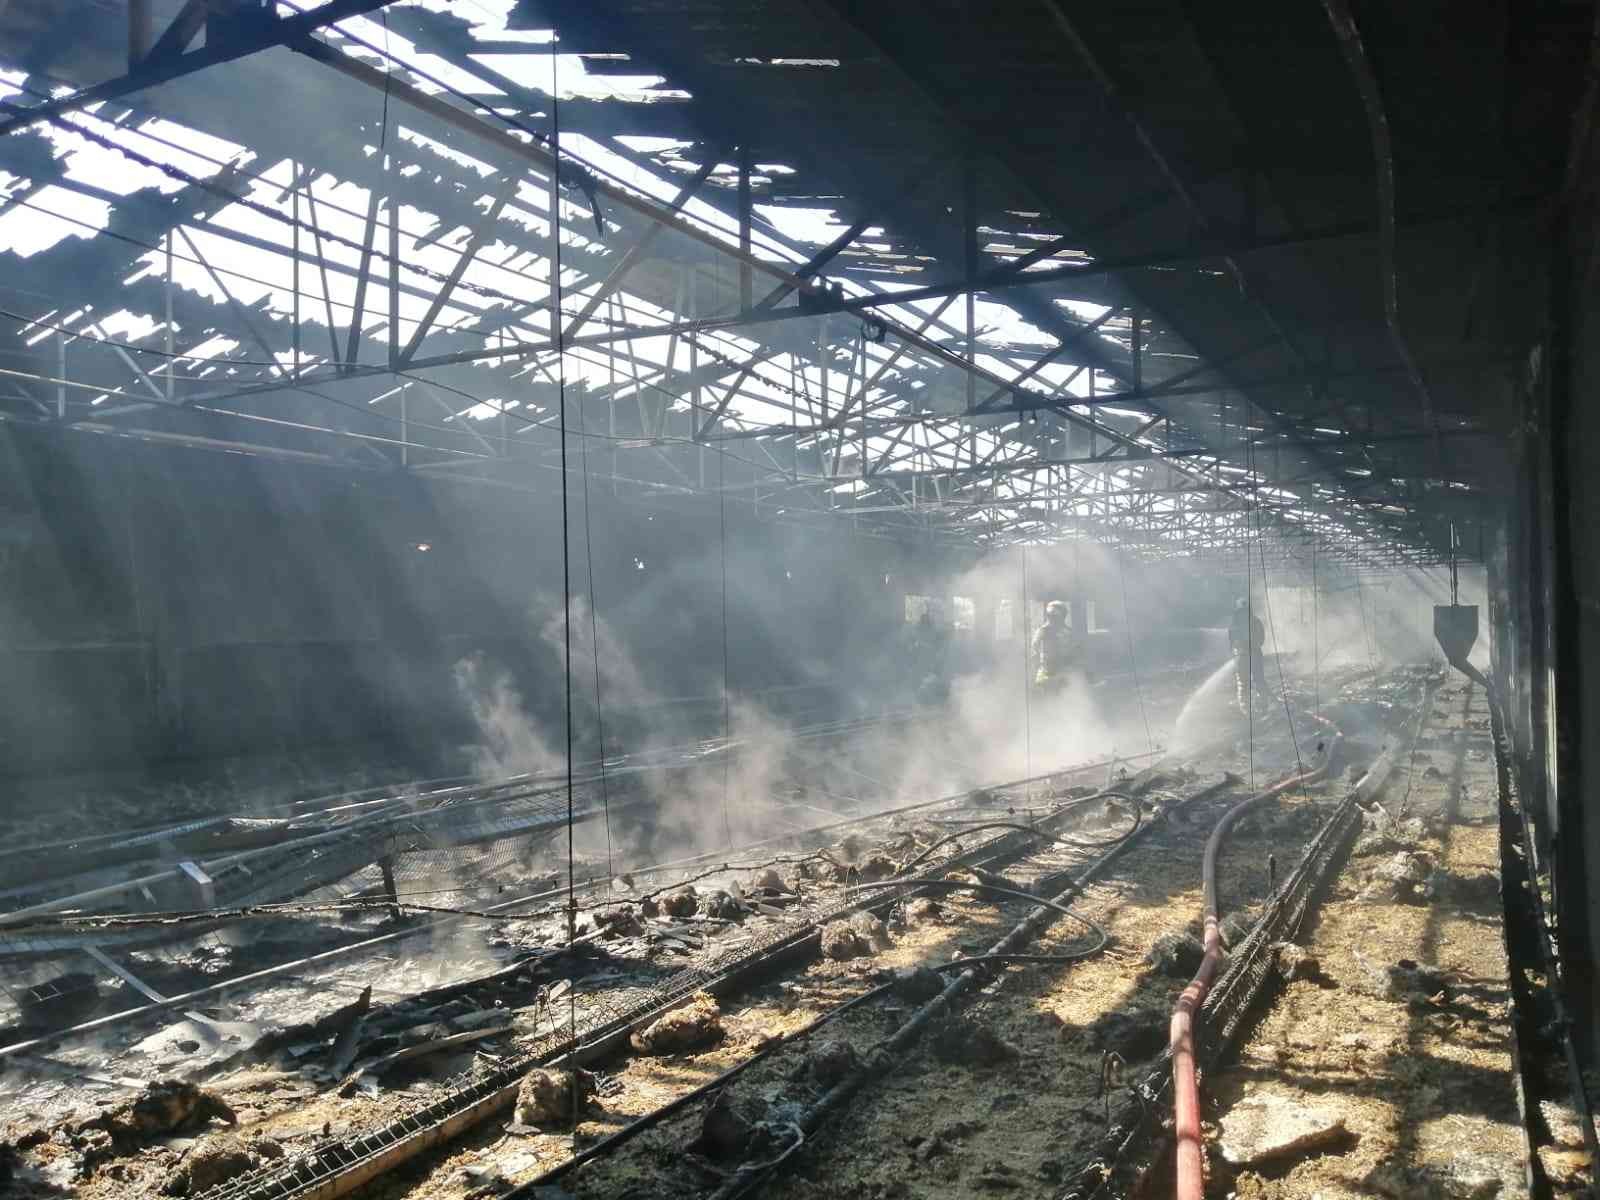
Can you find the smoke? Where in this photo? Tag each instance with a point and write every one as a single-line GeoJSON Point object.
{"type": "Point", "coordinates": [1363, 622]}
{"type": "Point", "coordinates": [509, 742]}
{"type": "Point", "coordinates": [770, 768]}
{"type": "Point", "coordinates": [596, 649]}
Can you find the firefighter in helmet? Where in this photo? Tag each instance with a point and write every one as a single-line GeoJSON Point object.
{"type": "Point", "coordinates": [1053, 654]}
{"type": "Point", "coordinates": [1246, 637]}
{"type": "Point", "coordinates": [930, 658]}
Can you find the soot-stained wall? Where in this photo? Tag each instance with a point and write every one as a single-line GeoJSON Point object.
{"type": "Point", "coordinates": [158, 602]}
{"type": "Point", "coordinates": [161, 603]}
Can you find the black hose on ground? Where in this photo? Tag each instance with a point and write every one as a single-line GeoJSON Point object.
{"type": "Point", "coordinates": [750, 1176]}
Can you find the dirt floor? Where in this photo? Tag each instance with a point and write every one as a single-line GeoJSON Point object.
{"type": "Point", "coordinates": [1396, 1059]}
{"type": "Point", "coordinates": [965, 1114]}
{"type": "Point", "coordinates": [1382, 1070]}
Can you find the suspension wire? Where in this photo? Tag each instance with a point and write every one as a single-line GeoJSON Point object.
{"type": "Point", "coordinates": [594, 630]}
{"type": "Point", "coordinates": [1027, 680]}
{"type": "Point", "coordinates": [566, 534]}
{"type": "Point", "coordinates": [1133, 661]}
{"type": "Point", "coordinates": [1369, 640]}
{"type": "Point", "coordinates": [566, 538]}
{"type": "Point", "coordinates": [727, 712]}
{"type": "Point", "coordinates": [388, 86]}
{"type": "Point", "coordinates": [1316, 645]}
{"type": "Point", "coordinates": [1250, 619]}
{"type": "Point", "coordinates": [1272, 630]}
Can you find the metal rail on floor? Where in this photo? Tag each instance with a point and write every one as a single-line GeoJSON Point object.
{"type": "Point", "coordinates": [339, 1166]}
{"type": "Point", "coordinates": [435, 923]}
{"type": "Point", "coordinates": [887, 1056]}
{"type": "Point", "coordinates": [1126, 1151]}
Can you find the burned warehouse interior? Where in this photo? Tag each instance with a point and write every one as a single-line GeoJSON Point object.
{"type": "Point", "coordinates": [799, 598]}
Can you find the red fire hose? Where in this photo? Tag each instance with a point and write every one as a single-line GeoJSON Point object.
{"type": "Point", "coordinates": [1185, 1081]}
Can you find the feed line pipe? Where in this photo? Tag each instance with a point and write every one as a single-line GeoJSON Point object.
{"type": "Point", "coordinates": [1185, 1078]}
{"type": "Point", "coordinates": [886, 1054]}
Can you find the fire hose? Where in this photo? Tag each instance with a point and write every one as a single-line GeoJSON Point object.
{"type": "Point", "coordinates": [1185, 1078]}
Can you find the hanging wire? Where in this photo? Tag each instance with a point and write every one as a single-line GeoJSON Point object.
{"type": "Point", "coordinates": [1316, 644]}
{"type": "Point", "coordinates": [388, 85]}
{"type": "Point", "coordinates": [1369, 637]}
{"type": "Point", "coordinates": [594, 629]}
{"type": "Point", "coordinates": [727, 711]}
{"type": "Point", "coordinates": [566, 537]}
{"type": "Point", "coordinates": [1133, 661]}
{"type": "Point", "coordinates": [1027, 681]}
{"type": "Point", "coordinates": [566, 547]}
{"type": "Point", "coordinates": [1272, 630]}
{"type": "Point", "coordinates": [1250, 615]}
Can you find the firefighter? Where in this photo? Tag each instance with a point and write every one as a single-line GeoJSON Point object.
{"type": "Point", "coordinates": [1053, 655]}
{"type": "Point", "coordinates": [1246, 637]}
{"type": "Point", "coordinates": [929, 660]}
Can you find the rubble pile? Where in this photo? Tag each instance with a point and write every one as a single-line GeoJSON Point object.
{"type": "Point", "coordinates": [552, 1097]}
{"type": "Point", "coordinates": [695, 1026]}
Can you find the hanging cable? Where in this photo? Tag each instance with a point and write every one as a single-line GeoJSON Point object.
{"type": "Point", "coordinates": [1133, 661]}
{"type": "Point", "coordinates": [1027, 680]}
{"type": "Point", "coordinates": [1250, 615]}
{"type": "Point", "coordinates": [594, 630]}
{"type": "Point", "coordinates": [1316, 645]}
{"type": "Point", "coordinates": [727, 708]}
{"type": "Point", "coordinates": [566, 537]}
{"type": "Point", "coordinates": [1272, 631]}
{"type": "Point", "coordinates": [388, 85]}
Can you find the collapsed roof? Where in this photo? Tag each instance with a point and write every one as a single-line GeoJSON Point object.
{"type": "Point", "coordinates": [1183, 280]}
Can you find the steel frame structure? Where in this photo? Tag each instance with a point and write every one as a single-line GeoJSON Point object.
{"type": "Point", "coordinates": [879, 405]}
